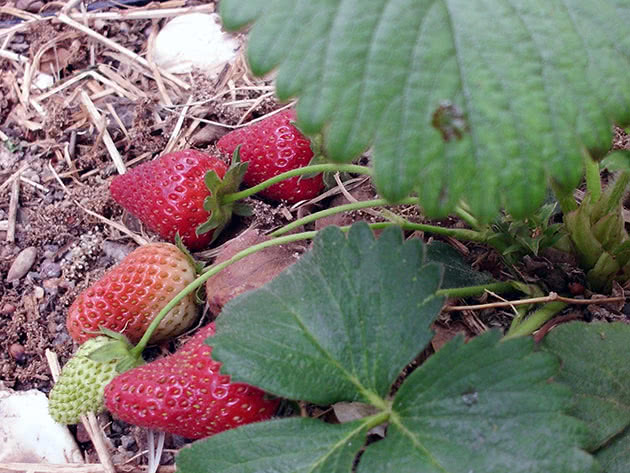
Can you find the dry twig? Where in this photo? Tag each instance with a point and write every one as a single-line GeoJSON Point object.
{"type": "Point", "coordinates": [552, 297]}
{"type": "Point", "coordinates": [137, 238]}
{"type": "Point", "coordinates": [101, 126]}
{"type": "Point", "coordinates": [13, 207]}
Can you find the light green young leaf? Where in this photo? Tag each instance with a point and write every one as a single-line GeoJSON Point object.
{"type": "Point", "coordinates": [474, 99]}
{"type": "Point", "coordinates": [595, 365]}
{"type": "Point", "coordinates": [295, 445]}
{"type": "Point", "coordinates": [486, 406]}
{"type": "Point", "coordinates": [338, 325]}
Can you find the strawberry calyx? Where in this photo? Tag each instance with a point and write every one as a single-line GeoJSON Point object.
{"type": "Point", "coordinates": [117, 349]}
{"type": "Point", "coordinates": [198, 265]}
{"type": "Point", "coordinates": [221, 212]}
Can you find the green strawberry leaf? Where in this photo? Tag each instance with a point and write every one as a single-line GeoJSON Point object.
{"type": "Point", "coordinates": [486, 406]}
{"type": "Point", "coordinates": [296, 445]}
{"type": "Point", "coordinates": [114, 350]}
{"type": "Point", "coordinates": [339, 324]}
{"type": "Point", "coordinates": [456, 272]}
{"type": "Point", "coordinates": [615, 458]}
{"type": "Point", "coordinates": [198, 265]}
{"type": "Point", "coordinates": [481, 100]}
{"type": "Point", "coordinates": [595, 365]}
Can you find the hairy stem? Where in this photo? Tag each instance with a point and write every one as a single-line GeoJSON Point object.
{"type": "Point", "coordinates": [315, 169]}
{"type": "Point", "coordinates": [376, 419]}
{"type": "Point", "coordinates": [617, 192]}
{"type": "Point", "coordinates": [469, 291]}
{"type": "Point", "coordinates": [467, 217]}
{"type": "Point", "coordinates": [458, 233]}
{"type": "Point", "coordinates": [335, 210]}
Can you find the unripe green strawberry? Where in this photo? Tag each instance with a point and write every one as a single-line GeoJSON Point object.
{"type": "Point", "coordinates": [80, 386]}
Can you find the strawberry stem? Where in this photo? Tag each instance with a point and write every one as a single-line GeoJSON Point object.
{"type": "Point", "coordinates": [469, 291]}
{"type": "Point", "coordinates": [459, 233]}
{"type": "Point", "coordinates": [335, 210]}
{"type": "Point", "coordinates": [315, 169]}
{"type": "Point", "coordinates": [212, 270]}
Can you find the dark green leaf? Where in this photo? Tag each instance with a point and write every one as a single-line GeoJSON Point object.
{"type": "Point", "coordinates": [595, 364]}
{"type": "Point", "coordinates": [615, 457]}
{"type": "Point", "coordinates": [486, 407]}
{"type": "Point", "coordinates": [338, 325]}
{"type": "Point", "coordinates": [456, 272]}
{"type": "Point", "coordinates": [296, 445]}
{"type": "Point", "coordinates": [474, 99]}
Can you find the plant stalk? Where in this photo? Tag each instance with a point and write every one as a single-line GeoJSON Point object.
{"type": "Point", "coordinates": [469, 291]}
{"type": "Point", "coordinates": [536, 320]}
{"type": "Point", "coordinates": [376, 419]}
{"type": "Point", "coordinates": [566, 200]}
{"type": "Point", "coordinates": [335, 210]}
{"type": "Point", "coordinates": [314, 169]}
{"type": "Point", "coordinates": [468, 218]}
{"type": "Point", "coordinates": [617, 192]}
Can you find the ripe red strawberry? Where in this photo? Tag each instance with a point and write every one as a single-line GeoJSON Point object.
{"type": "Point", "coordinates": [185, 394]}
{"type": "Point", "coordinates": [168, 194]}
{"type": "Point", "coordinates": [129, 296]}
{"type": "Point", "coordinates": [271, 147]}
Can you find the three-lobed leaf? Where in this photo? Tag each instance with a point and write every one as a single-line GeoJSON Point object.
{"type": "Point", "coordinates": [474, 99]}
{"type": "Point", "coordinates": [486, 406]}
{"type": "Point", "coordinates": [338, 325]}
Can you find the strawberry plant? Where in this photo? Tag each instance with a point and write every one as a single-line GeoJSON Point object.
{"type": "Point", "coordinates": [339, 326]}
{"type": "Point", "coordinates": [469, 108]}
{"type": "Point", "coordinates": [477, 109]}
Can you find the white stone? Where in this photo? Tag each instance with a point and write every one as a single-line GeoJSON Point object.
{"type": "Point", "coordinates": [43, 81]}
{"type": "Point", "coordinates": [194, 40]}
{"type": "Point", "coordinates": [27, 432]}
